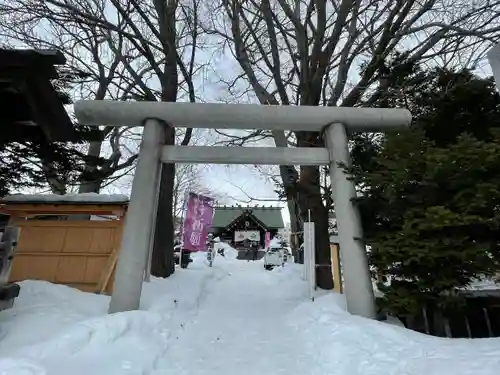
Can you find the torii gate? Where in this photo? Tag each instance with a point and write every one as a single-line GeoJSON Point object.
{"type": "Point", "coordinates": [334, 122]}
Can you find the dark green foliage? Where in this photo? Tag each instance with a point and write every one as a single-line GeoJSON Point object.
{"type": "Point", "coordinates": [431, 196]}
{"type": "Point", "coordinates": [13, 171]}
{"type": "Point", "coordinates": [31, 164]}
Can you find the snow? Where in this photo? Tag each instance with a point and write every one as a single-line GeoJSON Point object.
{"type": "Point", "coordinates": [484, 284]}
{"type": "Point", "coordinates": [67, 198]}
{"type": "Point", "coordinates": [230, 254]}
{"type": "Point", "coordinates": [103, 217]}
{"type": "Point", "coordinates": [275, 243]}
{"type": "Point", "coordinates": [233, 318]}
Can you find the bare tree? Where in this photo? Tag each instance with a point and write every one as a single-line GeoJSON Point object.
{"type": "Point", "coordinates": [335, 53]}
{"type": "Point", "coordinates": [189, 178]}
{"type": "Point", "coordinates": [99, 72]}
{"type": "Point", "coordinates": [152, 49]}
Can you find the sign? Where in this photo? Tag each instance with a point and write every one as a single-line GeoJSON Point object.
{"type": "Point", "coordinates": [197, 222]}
{"type": "Point", "coordinates": [242, 235]}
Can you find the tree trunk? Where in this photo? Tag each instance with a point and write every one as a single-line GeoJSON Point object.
{"type": "Point", "coordinates": [90, 183]}
{"type": "Point", "coordinates": [310, 201]}
{"type": "Point", "coordinates": [56, 186]}
{"type": "Point", "coordinates": [290, 177]}
{"type": "Point", "coordinates": [162, 259]}
{"type": "Point", "coordinates": [295, 225]}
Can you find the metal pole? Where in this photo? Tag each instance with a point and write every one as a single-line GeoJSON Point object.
{"type": "Point", "coordinates": [139, 222]}
{"type": "Point", "coordinates": [357, 280]}
{"type": "Point", "coordinates": [306, 255]}
{"type": "Point", "coordinates": [306, 252]}
{"type": "Point", "coordinates": [312, 256]}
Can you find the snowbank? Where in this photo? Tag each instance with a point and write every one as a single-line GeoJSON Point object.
{"type": "Point", "coordinates": [232, 318]}
{"type": "Point", "coordinates": [230, 254]}
{"type": "Point", "coordinates": [43, 310]}
{"type": "Point", "coordinates": [485, 284]}
{"type": "Point", "coordinates": [353, 345]}
{"type": "Point", "coordinates": [67, 198]}
{"type": "Point", "coordinates": [275, 243]}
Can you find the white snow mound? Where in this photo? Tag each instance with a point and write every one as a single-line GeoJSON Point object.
{"type": "Point", "coordinates": [234, 317]}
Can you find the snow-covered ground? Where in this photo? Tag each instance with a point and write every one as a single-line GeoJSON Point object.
{"type": "Point", "coordinates": [234, 318]}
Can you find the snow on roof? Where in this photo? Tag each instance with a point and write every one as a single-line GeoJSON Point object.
{"type": "Point", "coordinates": [67, 198]}
{"type": "Point", "coordinates": [485, 285]}
{"type": "Point", "coordinates": [482, 285]}
{"type": "Point", "coordinates": [103, 217]}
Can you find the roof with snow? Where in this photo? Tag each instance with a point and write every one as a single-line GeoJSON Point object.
{"type": "Point", "coordinates": [484, 287]}
{"type": "Point", "coordinates": [269, 216]}
{"type": "Point", "coordinates": [81, 199]}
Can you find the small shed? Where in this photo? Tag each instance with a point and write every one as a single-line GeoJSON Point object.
{"type": "Point", "coordinates": [56, 245]}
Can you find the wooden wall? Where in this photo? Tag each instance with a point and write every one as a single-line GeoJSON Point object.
{"type": "Point", "coordinates": [80, 254]}
{"type": "Point", "coordinates": [338, 282]}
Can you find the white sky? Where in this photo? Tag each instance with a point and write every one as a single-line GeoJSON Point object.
{"type": "Point", "coordinates": [241, 182]}
{"type": "Point", "coordinates": [238, 182]}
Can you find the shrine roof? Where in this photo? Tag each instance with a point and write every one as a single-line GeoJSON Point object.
{"type": "Point", "coordinates": [270, 216]}
{"type": "Point", "coordinates": [31, 107]}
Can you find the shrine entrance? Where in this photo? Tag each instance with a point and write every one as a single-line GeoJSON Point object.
{"type": "Point", "coordinates": [333, 122]}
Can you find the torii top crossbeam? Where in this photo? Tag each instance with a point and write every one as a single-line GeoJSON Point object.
{"type": "Point", "coordinates": [239, 116]}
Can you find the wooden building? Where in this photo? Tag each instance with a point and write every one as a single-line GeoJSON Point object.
{"type": "Point", "coordinates": [78, 253]}
{"type": "Point", "coordinates": [241, 225]}
{"type": "Point", "coordinates": [477, 317]}
{"type": "Point", "coordinates": [32, 110]}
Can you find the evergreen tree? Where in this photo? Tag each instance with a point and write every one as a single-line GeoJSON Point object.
{"type": "Point", "coordinates": [430, 199]}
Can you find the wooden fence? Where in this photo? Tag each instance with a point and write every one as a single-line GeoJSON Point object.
{"type": "Point", "coordinates": [61, 249]}
{"type": "Point", "coordinates": [80, 254]}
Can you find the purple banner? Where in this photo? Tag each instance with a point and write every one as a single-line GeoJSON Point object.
{"type": "Point", "coordinates": [197, 222]}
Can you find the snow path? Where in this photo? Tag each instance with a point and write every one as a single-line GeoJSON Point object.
{"type": "Point", "coordinates": [234, 318]}
{"type": "Point", "coordinates": [248, 332]}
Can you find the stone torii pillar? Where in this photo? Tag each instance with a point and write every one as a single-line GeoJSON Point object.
{"type": "Point", "coordinates": [350, 232]}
